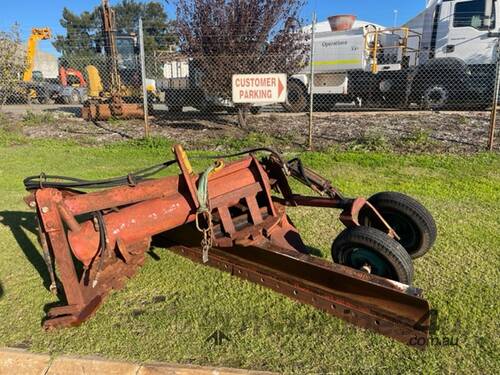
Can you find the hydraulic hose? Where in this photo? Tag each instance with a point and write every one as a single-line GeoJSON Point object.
{"type": "Point", "coordinates": [63, 182]}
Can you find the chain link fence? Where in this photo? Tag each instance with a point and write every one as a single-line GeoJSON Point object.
{"type": "Point", "coordinates": [373, 70]}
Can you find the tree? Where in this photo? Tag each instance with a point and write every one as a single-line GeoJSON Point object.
{"type": "Point", "coordinates": [227, 37]}
{"type": "Point", "coordinates": [12, 63]}
{"type": "Point", "coordinates": [81, 31]}
{"type": "Point", "coordinates": [158, 30]}
{"type": "Point", "coordinates": [84, 30]}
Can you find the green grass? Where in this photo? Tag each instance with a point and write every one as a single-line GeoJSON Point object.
{"type": "Point", "coordinates": [267, 331]}
{"type": "Point", "coordinates": [35, 119]}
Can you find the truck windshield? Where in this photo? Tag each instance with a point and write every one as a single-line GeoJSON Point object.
{"type": "Point", "coordinates": [471, 14]}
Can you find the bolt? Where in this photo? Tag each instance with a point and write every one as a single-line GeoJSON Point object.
{"type": "Point", "coordinates": [366, 268]}
{"type": "Point", "coordinates": [32, 204]}
{"type": "Point", "coordinates": [45, 210]}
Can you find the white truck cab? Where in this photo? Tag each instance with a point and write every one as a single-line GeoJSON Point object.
{"type": "Point", "coordinates": [463, 29]}
{"type": "Point", "coordinates": [443, 56]}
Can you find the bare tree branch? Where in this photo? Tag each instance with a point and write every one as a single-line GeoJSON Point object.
{"type": "Point", "coordinates": [227, 37]}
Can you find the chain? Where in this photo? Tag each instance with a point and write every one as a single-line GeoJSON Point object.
{"type": "Point", "coordinates": [205, 211]}
{"type": "Point", "coordinates": [207, 241]}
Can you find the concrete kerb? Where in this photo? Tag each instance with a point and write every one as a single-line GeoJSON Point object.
{"type": "Point", "coordinates": [19, 361]}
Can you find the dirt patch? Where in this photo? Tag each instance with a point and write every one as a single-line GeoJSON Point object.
{"type": "Point", "coordinates": [399, 131]}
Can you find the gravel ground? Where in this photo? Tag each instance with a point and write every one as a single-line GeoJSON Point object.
{"type": "Point", "coordinates": [461, 132]}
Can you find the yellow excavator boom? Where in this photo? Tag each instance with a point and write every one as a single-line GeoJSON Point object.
{"type": "Point", "coordinates": [37, 34]}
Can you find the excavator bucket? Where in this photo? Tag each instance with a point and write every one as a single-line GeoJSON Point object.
{"type": "Point", "coordinates": [106, 111]}
{"type": "Point", "coordinates": [226, 218]}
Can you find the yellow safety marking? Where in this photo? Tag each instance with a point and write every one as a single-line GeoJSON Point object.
{"type": "Point", "coordinates": [219, 165]}
{"type": "Point", "coordinates": [184, 159]}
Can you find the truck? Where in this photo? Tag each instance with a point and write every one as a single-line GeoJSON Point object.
{"type": "Point", "coordinates": [68, 88]}
{"type": "Point", "coordinates": [445, 57]}
{"type": "Point", "coordinates": [182, 87]}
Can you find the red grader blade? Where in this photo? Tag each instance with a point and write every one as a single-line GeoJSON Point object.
{"type": "Point", "coordinates": [228, 218]}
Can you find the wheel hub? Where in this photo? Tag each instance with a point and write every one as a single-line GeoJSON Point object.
{"type": "Point", "coordinates": [437, 96]}
{"type": "Point", "coordinates": [368, 261]}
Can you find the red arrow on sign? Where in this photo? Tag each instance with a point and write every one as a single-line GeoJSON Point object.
{"type": "Point", "coordinates": [281, 87]}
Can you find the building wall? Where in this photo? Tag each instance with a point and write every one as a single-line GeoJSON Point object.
{"type": "Point", "coordinates": [47, 64]}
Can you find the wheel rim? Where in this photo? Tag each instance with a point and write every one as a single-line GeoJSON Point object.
{"type": "Point", "coordinates": [436, 96]}
{"type": "Point", "coordinates": [408, 234]}
{"type": "Point", "coordinates": [404, 228]}
{"type": "Point", "coordinates": [359, 257]}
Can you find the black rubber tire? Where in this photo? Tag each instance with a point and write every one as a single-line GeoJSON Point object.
{"type": "Point", "coordinates": [396, 206]}
{"type": "Point", "coordinates": [378, 243]}
{"type": "Point", "coordinates": [431, 94]}
{"type": "Point", "coordinates": [297, 99]}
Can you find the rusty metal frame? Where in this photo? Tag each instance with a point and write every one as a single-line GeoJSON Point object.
{"type": "Point", "coordinates": [253, 239]}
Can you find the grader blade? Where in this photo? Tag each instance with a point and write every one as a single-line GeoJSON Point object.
{"type": "Point", "coordinates": [384, 306]}
{"type": "Point", "coordinates": [227, 218]}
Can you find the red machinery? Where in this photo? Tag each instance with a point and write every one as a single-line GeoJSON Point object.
{"type": "Point", "coordinates": [65, 73]}
{"type": "Point", "coordinates": [243, 230]}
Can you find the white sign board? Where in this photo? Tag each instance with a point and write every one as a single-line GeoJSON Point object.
{"type": "Point", "coordinates": [259, 88]}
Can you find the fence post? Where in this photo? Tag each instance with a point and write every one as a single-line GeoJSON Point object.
{"type": "Point", "coordinates": [311, 84]}
{"type": "Point", "coordinates": [494, 110]}
{"type": "Point", "coordinates": [143, 74]}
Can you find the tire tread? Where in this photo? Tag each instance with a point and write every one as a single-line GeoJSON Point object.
{"type": "Point", "coordinates": [380, 242]}
{"type": "Point", "coordinates": [415, 210]}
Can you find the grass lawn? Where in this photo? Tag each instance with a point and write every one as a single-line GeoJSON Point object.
{"type": "Point", "coordinates": [169, 309]}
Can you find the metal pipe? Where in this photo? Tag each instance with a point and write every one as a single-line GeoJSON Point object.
{"type": "Point", "coordinates": [151, 217]}
{"type": "Point", "coordinates": [147, 190]}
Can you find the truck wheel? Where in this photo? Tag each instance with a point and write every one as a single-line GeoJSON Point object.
{"type": "Point", "coordinates": [370, 250]}
{"type": "Point", "coordinates": [436, 96]}
{"type": "Point", "coordinates": [297, 97]}
{"type": "Point", "coordinates": [412, 222]}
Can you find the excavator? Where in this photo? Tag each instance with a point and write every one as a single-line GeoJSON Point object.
{"type": "Point", "coordinates": [44, 90]}
{"type": "Point", "coordinates": [115, 91]}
